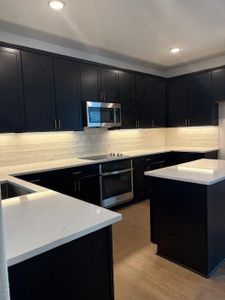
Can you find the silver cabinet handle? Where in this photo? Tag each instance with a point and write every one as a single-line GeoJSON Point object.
{"type": "Point", "coordinates": [75, 186]}
{"type": "Point", "coordinates": [55, 124]}
{"type": "Point", "coordinates": [77, 173]}
{"type": "Point", "coordinates": [152, 123]}
{"type": "Point", "coordinates": [116, 172]}
{"type": "Point", "coordinates": [60, 124]}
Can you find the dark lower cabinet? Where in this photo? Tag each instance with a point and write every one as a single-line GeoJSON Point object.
{"type": "Point", "coordinates": [81, 269]}
{"type": "Point", "coordinates": [11, 95]}
{"type": "Point", "coordinates": [174, 158]}
{"type": "Point", "coordinates": [38, 91]}
{"type": "Point", "coordinates": [182, 157]}
{"type": "Point", "coordinates": [189, 232]}
{"type": "Point", "coordinates": [142, 185]}
{"type": "Point", "coordinates": [142, 164]}
{"type": "Point", "coordinates": [68, 110]}
{"type": "Point", "coordinates": [79, 182]}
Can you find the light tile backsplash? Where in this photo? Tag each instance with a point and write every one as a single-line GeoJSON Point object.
{"type": "Point", "coordinates": [21, 148]}
{"type": "Point", "coordinates": [36, 147]}
{"type": "Point", "coordinates": [203, 136]}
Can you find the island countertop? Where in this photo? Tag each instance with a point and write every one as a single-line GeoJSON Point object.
{"type": "Point", "coordinates": [201, 171]}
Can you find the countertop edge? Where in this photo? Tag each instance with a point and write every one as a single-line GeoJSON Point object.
{"type": "Point", "coordinates": [62, 241]}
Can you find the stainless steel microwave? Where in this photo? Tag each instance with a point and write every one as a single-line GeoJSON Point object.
{"type": "Point", "coordinates": [101, 114]}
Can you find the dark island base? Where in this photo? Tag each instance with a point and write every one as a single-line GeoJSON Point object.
{"type": "Point", "coordinates": [81, 269]}
{"type": "Point", "coordinates": [188, 223]}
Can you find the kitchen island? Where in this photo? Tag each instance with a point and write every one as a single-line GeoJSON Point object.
{"type": "Point", "coordinates": [57, 247]}
{"type": "Point", "coordinates": [187, 214]}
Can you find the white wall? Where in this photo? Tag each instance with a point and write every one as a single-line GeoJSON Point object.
{"type": "Point", "coordinates": [197, 66]}
{"type": "Point", "coordinates": [16, 39]}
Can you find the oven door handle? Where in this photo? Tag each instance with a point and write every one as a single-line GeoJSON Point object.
{"type": "Point", "coordinates": [116, 172]}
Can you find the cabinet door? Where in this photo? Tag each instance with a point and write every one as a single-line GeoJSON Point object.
{"type": "Point", "coordinates": [201, 106]}
{"type": "Point", "coordinates": [89, 82]}
{"type": "Point", "coordinates": [143, 104]}
{"type": "Point", "coordinates": [157, 103]}
{"type": "Point", "coordinates": [89, 190]}
{"type": "Point", "coordinates": [127, 98]}
{"type": "Point", "coordinates": [68, 110]}
{"type": "Point", "coordinates": [218, 84]}
{"type": "Point", "coordinates": [11, 102]}
{"type": "Point", "coordinates": [109, 85]}
{"type": "Point", "coordinates": [140, 187]}
{"type": "Point", "coordinates": [38, 91]}
{"type": "Point", "coordinates": [178, 96]}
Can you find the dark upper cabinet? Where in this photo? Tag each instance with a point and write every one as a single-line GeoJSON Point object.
{"type": "Point", "coordinates": [202, 111]}
{"type": "Point", "coordinates": [89, 82]}
{"type": "Point", "coordinates": [143, 103]}
{"type": "Point", "coordinates": [98, 84]}
{"type": "Point", "coordinates": [38, 91]}
{"type": "Point", "coordinates": [218, 84]}
{"type": "Point", "coordinates": [150, 102]}
{"type": "Point", "coordinates": [127, 99]}
{"type": "Point", "coordinates": [157, 102]}
{"type": "Point", "coordinates": [178, 90]}
{"type": "Point", "coordinates": [11, 99]}
{"type": "Point", "coordinates": [109, 85]}
{"type": "Point", "coordinates": [68, 112]}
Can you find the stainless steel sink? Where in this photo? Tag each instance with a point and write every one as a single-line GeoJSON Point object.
{"type": "Point", "coordinates": [10, 190]}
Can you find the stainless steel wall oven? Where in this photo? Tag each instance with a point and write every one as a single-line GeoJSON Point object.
{"type": "Point", "coordinates": [116, 182]}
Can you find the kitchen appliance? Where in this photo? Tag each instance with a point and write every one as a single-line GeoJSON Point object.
{"type": "Point", "coordinates": [116, 182]}
{"type": "Point", "coordinates": [112, 156]}
{"type": "Point", "coordinates": [101, 114]}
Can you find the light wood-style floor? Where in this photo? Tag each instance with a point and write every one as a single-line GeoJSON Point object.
{"type": "Point", "coordinates": [142, 275]}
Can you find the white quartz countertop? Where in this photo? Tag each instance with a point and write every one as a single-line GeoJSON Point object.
{"type": "Point", "coordinates": [202, 171]}
{"type": "Point", "coordinates": [45, 219]}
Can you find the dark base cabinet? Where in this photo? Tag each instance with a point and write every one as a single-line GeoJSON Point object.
{"type": "Point", "coordinates": [81, 269]}
{"type": "Point", "coordinates": [142, 186]}
{"type": "Point", "coordinates": [188, 224]}
{"type": "Point", "coordinates": [146, 163]}
{"type": "Point", "coordinates": [79, 182]}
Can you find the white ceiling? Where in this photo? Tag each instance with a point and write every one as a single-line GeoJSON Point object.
{"type": "Point", "coordinates": [139, 30]}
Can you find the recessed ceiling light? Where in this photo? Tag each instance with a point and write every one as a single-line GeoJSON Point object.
{"type": "Point", "coordinates": [175, 50]}
{"type": "Point", "coordinates": [57, 5]}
